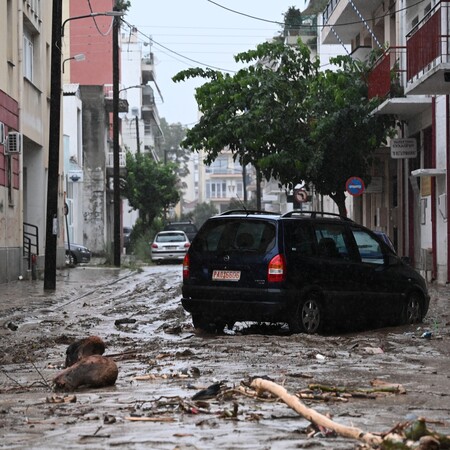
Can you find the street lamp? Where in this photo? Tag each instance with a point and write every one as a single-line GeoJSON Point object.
{"type": "Point", "coordinates": [52, 226]}
{"type": "Point", "coordinates": [79, 57]}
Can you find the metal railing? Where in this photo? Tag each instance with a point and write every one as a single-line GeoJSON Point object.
{"type": "Point", "coordinates": [385, 78]}
{"type": "Point", "coordinates": [122, 159]}
{"type": "Point", "coordinates": [30, 242]}
{"type": "Point", "coordinates": [428, 42]}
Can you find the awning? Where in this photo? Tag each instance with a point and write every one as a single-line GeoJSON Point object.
{"type": "Point", "coordinates": [428, 172]}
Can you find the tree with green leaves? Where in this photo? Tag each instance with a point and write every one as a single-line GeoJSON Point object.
{"type": "Point", "coordinates": [170, 149]}
{"type": "Point", "coordinates": [289, 120]}
{"type": "Point", "coordinates": [343, 130]}
{"type": "Point", "coordinates": [150, 187]}
{"type": "Point", "coordinates": [257, 112]}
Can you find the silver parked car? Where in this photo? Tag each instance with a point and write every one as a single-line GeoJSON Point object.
{"type": "Point", "coordinates": [169, 246]}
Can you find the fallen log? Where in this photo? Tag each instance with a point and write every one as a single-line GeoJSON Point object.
{"type": "Point", "coordinates": [313, 416]}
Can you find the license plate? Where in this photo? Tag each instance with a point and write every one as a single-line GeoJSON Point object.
{"type": "Point", "coordinates": [226, 275]}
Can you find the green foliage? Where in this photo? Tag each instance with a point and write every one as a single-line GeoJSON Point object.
{"type": "Point", "coordinates": [344, 132]}
{"type": "Point", "coordinates": [150, 187]}
{"type": "Point", "coordinates": [170, 149]}
{"type": "Point", "coordinates": [202, 212]}
{"type": "Point", "coordinates": [122, 5]}
{"type": "Point", "coordinates": [258, 111]}
{"type": "Point", "coordinates": [292, 20]}
{"type": "Point", "coordinates": [289, 120]}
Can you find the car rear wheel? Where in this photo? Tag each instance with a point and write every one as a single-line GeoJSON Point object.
{"type": "Point", "coordinates": [202, 324]}
{"type": "Point", "coordinates": [72, 259]}
{"type": "Point", "coordinates": [412, 309]}
{"type": "Point", "coordinates": [308, 317]}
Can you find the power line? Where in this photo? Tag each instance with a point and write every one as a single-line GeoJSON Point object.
{"type": "Point", "coordinates": [313, 26]}
{"type": "Point", "coordinates": [150, 39]}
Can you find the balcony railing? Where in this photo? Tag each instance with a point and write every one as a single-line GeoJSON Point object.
{"type": "Point", "coordinates": [428, 42]}
{"type": "Point", "coordinates": [329, 10]}
{"type": "Point", "coordinates": [122, 160]}
{"type": "Point", "coordinates": [385, 78]}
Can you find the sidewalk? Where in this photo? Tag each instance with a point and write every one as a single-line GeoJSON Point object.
{"type": "Point", "coordinates": [70, 282]}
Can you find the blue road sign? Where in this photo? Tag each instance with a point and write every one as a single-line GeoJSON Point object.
{"type": "Point", "coordinates": [355, 186]}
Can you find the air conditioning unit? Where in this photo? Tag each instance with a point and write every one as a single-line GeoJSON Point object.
{"type": "Point", "coordinates": [2, 133]}
{"type": "Point", "coordinates": [14, 143]}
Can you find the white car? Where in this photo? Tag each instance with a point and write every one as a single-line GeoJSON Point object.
{"type": "Point", "coordinates": [169, 246]}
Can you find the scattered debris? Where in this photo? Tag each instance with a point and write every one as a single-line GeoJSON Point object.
{"type": "Point", "coordinates": [64, 399]}
{"type": "Point", "coordinates": [208, 393]}
{"type": "Point", "coordinates": [124, 321]}
{"type": "Point", "coordinates": [410, 435]}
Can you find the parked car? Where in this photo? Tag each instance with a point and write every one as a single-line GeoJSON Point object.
{"type": "Point", "coordinates": [188, 227]}
{"type": "Point", "coordinates": [385, 238]}
{"type": "Point", "coordinates": [77, 253]}
{"type": "Point", "coordinates": [169, 246]}
{"type": "Point", "coordinates": [307, 269]}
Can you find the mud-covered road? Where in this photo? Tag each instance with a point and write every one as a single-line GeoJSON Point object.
{"type": "Point", "coordinates": [163, 362]}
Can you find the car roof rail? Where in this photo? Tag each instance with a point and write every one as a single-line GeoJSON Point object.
{"type": "Point", "coordinates": [248, 212]}
{"type": "Point", "coordinates": [313, 214]}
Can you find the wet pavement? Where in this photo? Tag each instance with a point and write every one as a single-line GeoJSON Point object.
{"type": "Point", "coordinates": [163, 362]}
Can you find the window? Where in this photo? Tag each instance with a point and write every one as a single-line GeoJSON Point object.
{"type": "Point", "coordinates": [332, 241]}
{"type": "Point", "coordinates": [28, 55]}
{"type": "Point", "coordinates": [216, 189]}
{"type": "Point", "coordinates": [369, 248]}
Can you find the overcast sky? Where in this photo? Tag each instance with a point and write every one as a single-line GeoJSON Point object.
{"type": "Point", "coordinates": [200, 33]}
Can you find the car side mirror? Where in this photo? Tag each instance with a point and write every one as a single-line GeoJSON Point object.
{"type": "Point", "coordinates": [406, 260]}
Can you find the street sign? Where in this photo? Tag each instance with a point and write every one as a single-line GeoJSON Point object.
{"type": "Point", "coordinates": [355, 186]}
{"type": "Point", "coordinates": [403, 148]}
{"type": "Point", "coordinates": [300, 195]}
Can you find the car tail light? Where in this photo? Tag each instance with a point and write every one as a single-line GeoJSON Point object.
{"type": "Point", "coordinates": [154, 245]}
{"type": "Point", "coordinates": [276, 271]}
{"type": "Point", "coordinates": [186, 267]}
{"type": "Point", "coordinates": [187, 245]}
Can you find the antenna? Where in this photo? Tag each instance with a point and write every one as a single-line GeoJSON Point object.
{"type": "Point", "coordinates": [242, 203]}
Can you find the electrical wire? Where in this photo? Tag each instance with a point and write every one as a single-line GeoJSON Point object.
{"type": "Point", "coordinates": [173, 51]}
{"type": "Point", "coordinates": [96, 24]}
{"type": "Point", "coordinates": [313, 26]}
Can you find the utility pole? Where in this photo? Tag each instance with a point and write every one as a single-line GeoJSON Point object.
{"type": "Point", "coordinates": [138, 144]}
{"type": "Point", "coordinates": [52, 227]}
{"type": "Point", "coordinates": [116, 160]}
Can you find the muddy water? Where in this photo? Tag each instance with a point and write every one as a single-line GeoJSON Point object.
{"type": "Point", "coordinates": [163, 362]}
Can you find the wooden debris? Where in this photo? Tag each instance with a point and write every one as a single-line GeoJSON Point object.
{"type": "Point", "coordinates": [313, 416]}
{"type": "Point", "coordinates": [150, 419]}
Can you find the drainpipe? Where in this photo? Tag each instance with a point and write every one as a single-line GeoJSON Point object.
{"type": "Point", "coordinates": [433, 193]}
{"type": "Point", "coordinates": [447, 130]}
{"type": "Point", "coordinates": [22, 205]}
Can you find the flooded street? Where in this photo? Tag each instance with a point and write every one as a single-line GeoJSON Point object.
{"type": "Point", "coordinates": [163, 362]}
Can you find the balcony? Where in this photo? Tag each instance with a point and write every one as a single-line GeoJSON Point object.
{"type": "Point", "coordinates": [427, 44]}
{"type": "Point", "coordinates": [386, 74]}
{"type": "Point", "coordinates": [110, 164]}
{"type": "Point", "coordinates": [148, 69]}
{"type": "Point", "coordinates": [340, 17]}
{"type": "Point", "coordinates": [123, 102]}
{"type": "Point", "coordinates": [385, 81]}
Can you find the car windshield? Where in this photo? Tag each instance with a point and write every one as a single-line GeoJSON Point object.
{"type": "Point", "coordinates": [170, 237]}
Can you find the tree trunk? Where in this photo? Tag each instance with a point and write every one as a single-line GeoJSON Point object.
{"type": "Point", "coordinates": [339, 199]}
{"type": "Point", "coordinates": [258, 189]}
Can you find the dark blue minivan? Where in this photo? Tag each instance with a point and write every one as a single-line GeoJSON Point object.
{"type": "Point", "coordinates": [307, 269]}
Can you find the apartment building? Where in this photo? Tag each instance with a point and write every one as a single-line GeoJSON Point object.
{"type": "Point", "coordinates": [25, 58]}
{"type": "Point", "coordinates": [412, 75]}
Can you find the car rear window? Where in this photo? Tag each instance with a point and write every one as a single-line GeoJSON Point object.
{"type": "Point", "coordinates": [234, 236]}
{"type": "Point", "coordinates": [170, 237]}
{"type": "Point", "coordinates": [187, 228]}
